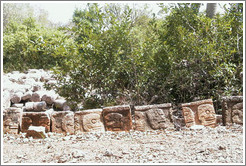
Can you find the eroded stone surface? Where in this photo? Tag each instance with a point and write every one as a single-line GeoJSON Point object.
{"type": "Point", "coordinates": [11, 120]}
{"type": "Point", "coordinates": [117, 118]}
{"type": "Point", "coordinates": [232, 110]}
{"type": "Point", "coordinates": [63, 122]}
{"type": "Point", "coordinates": [140, 121]}
{"type": "Point", "coordinates": [88, 121]}
{"type": "Point", "coordinates": [35, 119]}
{"type": "Point", "coordinates": [199, 113]}
{"type": "Point", "coordinates": [152, 117]}
{"type": "Point", "coordinates": [35, 106]}
{"type": "Point", "coordinates": [156, 118]}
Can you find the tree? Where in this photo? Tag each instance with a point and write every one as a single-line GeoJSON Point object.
{"type": "Point", "coordinates": [211, 9]}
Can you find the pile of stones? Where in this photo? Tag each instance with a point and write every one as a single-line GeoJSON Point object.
{"type": "Point", "coordinates": [29, 108]}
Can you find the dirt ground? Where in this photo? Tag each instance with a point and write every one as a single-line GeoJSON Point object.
{"type": "Point", "coordinates": [208, 145]}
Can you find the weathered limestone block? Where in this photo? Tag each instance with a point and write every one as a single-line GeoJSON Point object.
{"type": "Point", "coordinates": [18, 105]}
{"type": "Point", "coordinates": [36, 132]}
{"type": "Point", "coordinates": [199, 113]}
{"type": "Point", "coordinates": [35, 106]}
{"type": "Point", "coordinates": [152, 117]}
{"type": "Point", "coordinates": [88, 121]}
{"type": "Point", "coordinates": [6, 99]}
{"type": "Point", "coordinates": [63, 122]}
{"type": "Point", "coordinates": [49, 97]}
{"type": "Point", "coordinates": [141, 123]}
{"type": "Point", "coordinates": [117, 118]}
{"type": "Point", "coordinates": [232, 110]}
{"type": "Point", "coordinates": [16, 97]}
{"type": "Point", "coordinates": [27, 96]}
{"type": "Point", "coordinates": [35, 119]}
{"type": "Point", "coordinates": [11, 120]}
{"type": "Point", "coordinates": [37, 86]}
{"type": "Point", "coordinates": [61, 104]}
{"type": "Point", "coordinates": [37, 96]}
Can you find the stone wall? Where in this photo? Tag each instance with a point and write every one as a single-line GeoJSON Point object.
{"type": "Point", "coordinates": [26, 103]}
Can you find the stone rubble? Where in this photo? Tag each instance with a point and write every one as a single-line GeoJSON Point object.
{"type": "Point", "coordinates": [223, 144]}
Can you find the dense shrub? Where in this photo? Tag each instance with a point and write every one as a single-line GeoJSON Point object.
{"type": "Point", "coordinates": [118, 55]}
{"type": "Point", "coordinates": [30, 45]}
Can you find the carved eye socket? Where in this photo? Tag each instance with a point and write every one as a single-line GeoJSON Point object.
{"type": "Point", "coordinates": [93, 121]}
{"type": "Point", "coordinates": [207, 111]}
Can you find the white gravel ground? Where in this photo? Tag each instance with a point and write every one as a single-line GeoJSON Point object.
{"type": "Point", "coordinates": [208, 145]}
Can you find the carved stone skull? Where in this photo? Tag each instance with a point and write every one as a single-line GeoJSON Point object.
{"type": "Point", "coordinates": [156, 118]}
{"type": "Point", "coordinates": [91, 122]}
{"type": "Point", "coordinates": [206, 115]}
{"type": "Point", "coordinates": [189, 116]}
{"type": "Point", "coordinates": [114, 121]}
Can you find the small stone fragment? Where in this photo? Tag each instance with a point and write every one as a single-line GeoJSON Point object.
{"type": "Point", "coordinates": [36, 132]}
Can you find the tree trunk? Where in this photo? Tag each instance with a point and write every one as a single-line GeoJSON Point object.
{"type": "Point", "coordinates": [211, 9]}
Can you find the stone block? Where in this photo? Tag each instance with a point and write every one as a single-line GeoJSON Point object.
{"type": "Point", "coordinates": [61, 104]}
{"type": "Point", "coordinates": [62, 122]}
{"type": "Point", "coordinates": [16, 97]}
{"type": "Point", "coordinates": [35, 106]}
{"type": "Point", "coordinates": [27, 96]}
{"type": "Point", "coordinates": [35, 119]}
{"type": "Point", "coordinates": [117, 118]}
{"type": "Point", "coordinates": [36, 132]}
{"type": "Point", "coordinates": [88, 121]}
{"type": "Point", "coordinates": [49, 97]}
{"type": "Point", "coordinates": [232, 110]}
{"type": "Point", "coordinates": [152, 117]}
{"type": "Point", "coordinates": [37, 96]}
{"type": "Point", "coordinates": [6, 99]}
{"type": "Point", "coordinates": [12, 117]}
{"type": "Point", "coordinates": [199, 113]}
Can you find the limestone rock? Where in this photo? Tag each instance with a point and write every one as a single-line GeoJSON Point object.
{"type": "Point", "coordinates": [117, 118]}
{"type": "Point", "coordinates": [35, 106]}
{"type": "Point", "coordinates": [232, 110]}
{"type": "Point", "coordinates": [36, 132]}
{"type": "Point", "coordinates": [11, 120]}
{"type": "Point", "coordinates": [37, 96]}
{"type": "Point", "coordinates": [88, 121]}
{"type": "Point", "coordinates": [6, 99]}
{"type": "Point", "coordinates": [61, 104]}
{"type": "Point", "coordinates": [27, 96]}
{"type": "Point", "coordinates": [199, 113]}
{"type": "Point", "coordinates": [18, 105]}
{"type": "Point", "coordinates": [16, 97]}
{"type": "Point", "coordinates": [35, 119]}
{"type": "Point", "coordinates": [63, 122]}
{"type": "Point", "coordinates": [49, 97]}
{"type": "Point", "coordinates": [152, 117]}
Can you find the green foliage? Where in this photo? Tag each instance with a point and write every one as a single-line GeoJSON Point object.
{"type": "Point", "coordinates": [30, 45]}
{"type": "Point", "coordinates": [119, 55]}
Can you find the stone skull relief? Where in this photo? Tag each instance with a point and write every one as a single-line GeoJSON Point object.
{"type": "Point", "coordinates": [189, 116]}
{"type": "Point", "coordinates": [237, 113]}
{"type": "Point", "coordinates": [140, 121]}
{"type": "Point", "coordinates": [156, 118]}
{"type": "Point", "coordinates": [91, 122]}
{"type": "Point", "coordinates": [114, 121]}
{"type": "Point", "coordinates": [206, 115]}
